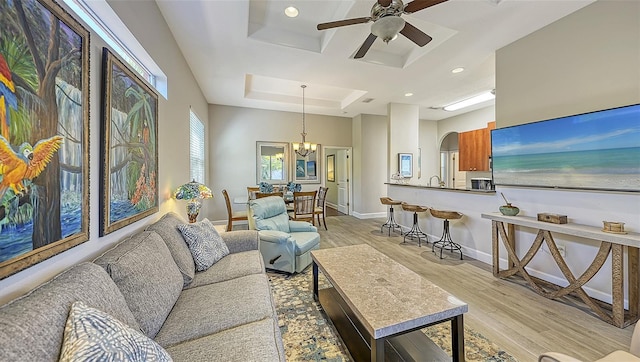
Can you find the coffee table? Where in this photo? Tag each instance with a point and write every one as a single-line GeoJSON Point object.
{"type": "Point", "coordinates": [379, 306]}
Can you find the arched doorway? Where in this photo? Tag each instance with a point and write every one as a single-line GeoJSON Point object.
{"type": "Point", "coordinates": [449, 170]}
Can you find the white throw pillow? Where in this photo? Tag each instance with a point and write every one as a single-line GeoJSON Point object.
{"type": "Point", "coordinates": [93, 335]}
{"type": "Point", "coordinates": [206, 245]}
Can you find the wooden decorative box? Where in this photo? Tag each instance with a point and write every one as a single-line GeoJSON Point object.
{"type": "Point", "coordinates": [552, 218]}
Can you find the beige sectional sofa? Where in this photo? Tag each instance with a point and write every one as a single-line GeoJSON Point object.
{"type": "Point", "coordinates": [148, 282]}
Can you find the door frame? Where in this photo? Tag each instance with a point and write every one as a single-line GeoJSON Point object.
{"type": "Point", "coordinates": [349, 173]}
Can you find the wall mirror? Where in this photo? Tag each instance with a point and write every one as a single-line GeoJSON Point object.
{"type": "Point", "coordinates": [272, 160]}
{"type": "Point", "coordinates": [306, 169]}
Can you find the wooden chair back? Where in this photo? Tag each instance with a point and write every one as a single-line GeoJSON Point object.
{"type": "Point", "coordinates": [304, 206]}
{"type": "Point", "coordinates": [251, 192]}
{"type": "Point", "coordinates": [239, 216]}
{"type": "Point", "coordinates": [267, 194]}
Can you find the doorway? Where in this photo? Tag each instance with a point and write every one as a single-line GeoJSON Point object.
{"type": "Point", "coordinates": [449, 162]}
{"type": "Point", "coordinates": [339, 181]}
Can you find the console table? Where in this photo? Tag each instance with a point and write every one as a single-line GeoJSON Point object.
{"type": "Point", "coordinates": [503, 227]}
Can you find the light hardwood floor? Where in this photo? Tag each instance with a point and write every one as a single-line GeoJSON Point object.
{"type": "Point", "coordinates": [505, 311]}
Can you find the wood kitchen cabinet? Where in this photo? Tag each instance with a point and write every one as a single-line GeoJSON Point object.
{"type": "Point", "coordinates": [475, 149]}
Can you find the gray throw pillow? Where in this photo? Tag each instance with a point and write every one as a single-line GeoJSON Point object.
{"type": "Point", "coordinates": [206, 245]}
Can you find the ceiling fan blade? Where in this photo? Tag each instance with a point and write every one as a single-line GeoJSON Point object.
{"type": "Point", "coordinates": [365, 46]}
{"type": "Point", "coordinates": [384, 3]}
{"type": "Point", "coordinates": [415, 35]}
{"type": "Point", "coordinates": [345, 22]}
{"type": "Point", "coordinates": [417, 5]}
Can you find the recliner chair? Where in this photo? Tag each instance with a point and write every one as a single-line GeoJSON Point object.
{"type": "Point", "coordinates": [285, 244]}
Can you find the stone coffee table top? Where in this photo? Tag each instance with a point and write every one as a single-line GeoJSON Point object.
{"type": "Point", "coordinates": [387, 297]}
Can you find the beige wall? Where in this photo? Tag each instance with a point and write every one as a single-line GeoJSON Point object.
{"type": "Point", "coordinates": [146, 23]}
{"type": "Point", "coordinates": [587, 61]}
{"type": "Point", "coordinates": [233, 133]}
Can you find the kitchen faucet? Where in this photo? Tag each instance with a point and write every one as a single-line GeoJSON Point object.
{"type": "Point", "coordinates": [438, 178]}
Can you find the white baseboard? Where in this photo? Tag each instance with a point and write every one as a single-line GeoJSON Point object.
{"type": "Point", "coordinates": [372, 215]}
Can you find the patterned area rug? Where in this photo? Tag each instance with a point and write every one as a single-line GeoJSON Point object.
{"type": "Point", "coordinates": [308, 336]}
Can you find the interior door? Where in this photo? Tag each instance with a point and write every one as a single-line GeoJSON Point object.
{"type": "Point", "coordinates": [458, 178]}
{"type": "Point", "coordinates": [342, 175]}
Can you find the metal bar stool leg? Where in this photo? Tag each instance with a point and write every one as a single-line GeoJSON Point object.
{"type": "Point", "coordinates": [415, 231]}
{"type": "Point", "coordinates": [445, 242]}
{"type": "Point", "coordinates": [391, 223]}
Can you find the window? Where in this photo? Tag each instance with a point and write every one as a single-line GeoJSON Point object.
{"type": "Point", "coordinates": [99, 16]}
{"type": "Point", "coordinates": [196, 149]}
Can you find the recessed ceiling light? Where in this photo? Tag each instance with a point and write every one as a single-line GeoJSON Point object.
{"type": "Point", "coordinates": [408, 94]}
{"type": "Point", "coordinates": [457, 70]}
{"type": "Point", "coordinates": [291, 12]}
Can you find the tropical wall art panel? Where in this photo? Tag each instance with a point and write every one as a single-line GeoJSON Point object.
{"type": "Point", "coordinates": [597, 151]}
{"type": "Point", "coordinates": [129, 174]}
{"type": "Point", "coordinates": [44, 133]}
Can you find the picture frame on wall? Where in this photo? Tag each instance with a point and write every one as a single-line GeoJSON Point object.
{"type": "Point", "coordinates": [129, 148]}
{"type": "Point", "coordinates": [331, 165]}
{"type": "Point", "coordinates": [405, 164]}
{"type": "Point", "coordinates": [44, 208]}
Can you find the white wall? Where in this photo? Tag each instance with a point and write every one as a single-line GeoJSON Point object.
{"type": "Point", "coordinates": [370, 170]}
{"type": "Point", "coordinates": [430, 151]}
{"type": "Point", "coordinates": [147, 24]}
{"type": "Point", "coordinates": [586, 61]}
{"type": "Point", "coordinates": [233, 133]}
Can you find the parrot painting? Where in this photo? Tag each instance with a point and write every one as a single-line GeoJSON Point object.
{"type": "Point", "coordinates": [7, 97]}
{"type": "Point", "coordinates": [26, 164]}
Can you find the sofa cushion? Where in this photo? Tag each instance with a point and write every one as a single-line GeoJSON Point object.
{"type": "Point", "coordinates": [206, 245]}
{"type": "Point", "coordinates": [32, 326]}
{"type": "Point", "coordinates": [147, 276]}
{"type": "Point", "coordinates": [215, 307]}
{"type": "Point", "coordinates": [305, 241]}
{"type": "Point", "coordinates": [230, 345]}
{"type": "Point", "coordinates": [167, 228]}
{"type": "Point", "coordinates": [230, 267]}
{"type": "Point", "coordinates": [91, 334]}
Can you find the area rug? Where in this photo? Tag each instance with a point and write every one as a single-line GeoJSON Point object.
{"type": "Point", "coordinates": [308, 336]}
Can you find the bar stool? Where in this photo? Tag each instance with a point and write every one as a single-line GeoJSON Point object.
{"type": "Point", "coordinates": [445, 241]}
{"type": "Point", "coordinates": [415, 229]}
{"type": "Point", "coordinates": [391, 223]}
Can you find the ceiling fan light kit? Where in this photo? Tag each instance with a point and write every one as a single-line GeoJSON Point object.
{"type": "Point", "coordinates": [387, 28]}
{"type": "Point", "coordinates": [387, 23]}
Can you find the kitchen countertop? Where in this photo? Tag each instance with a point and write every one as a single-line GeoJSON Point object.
{"type": "Point", "coordinates": [434, 188]}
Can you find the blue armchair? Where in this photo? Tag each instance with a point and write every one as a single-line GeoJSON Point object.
{"type": "Point", "coordinates": [285, 244]}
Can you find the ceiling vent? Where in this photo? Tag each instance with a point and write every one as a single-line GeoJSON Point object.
{"type": "Point", "coordinates": [367, 100]}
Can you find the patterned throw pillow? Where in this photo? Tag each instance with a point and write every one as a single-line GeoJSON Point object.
{"type": "Point", "coordinates": [206, 245]}
{"type": "Point", "coordinates": [266, 187]}
{"type": "Point", "coordinates": [91, 334]}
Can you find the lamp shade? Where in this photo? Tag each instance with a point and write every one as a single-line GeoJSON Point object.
{"type": "Point", "coordinates": [192, 190]}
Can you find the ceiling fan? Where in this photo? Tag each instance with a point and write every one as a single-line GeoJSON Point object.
{"type": "Point", "coordinates": [387, 23]}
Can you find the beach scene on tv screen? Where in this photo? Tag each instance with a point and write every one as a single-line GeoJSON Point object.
{"type": "Point", "coordinates": [599, 150]}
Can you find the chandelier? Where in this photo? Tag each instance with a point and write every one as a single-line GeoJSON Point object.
{"type": "Point", "coordinates": [304, 148]}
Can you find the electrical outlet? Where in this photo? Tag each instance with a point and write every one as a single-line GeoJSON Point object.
{"type": "Point", "coordinates": [562, 250]}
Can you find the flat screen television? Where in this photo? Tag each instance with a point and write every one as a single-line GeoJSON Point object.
{"type": "Point", "coordinates": [591, 151]}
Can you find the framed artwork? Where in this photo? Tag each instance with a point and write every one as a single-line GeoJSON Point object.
{"type": "Point", "coordinates": [306, 167]}
{"type": "Point", "coordinates": [44, 133]}
{"type": "Point", "coordinates": [405, 164]}
{"type": "Point", "coordinates": [331, 165]}
{"type": "Point", "coordinates": [592, 151]}
{"type": "Point", "coordinates": [129, 148]}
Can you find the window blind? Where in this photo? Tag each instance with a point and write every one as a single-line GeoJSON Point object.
{"type": "Point", "coordinates": [196, 149]}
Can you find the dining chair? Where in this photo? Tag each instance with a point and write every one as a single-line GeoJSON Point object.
{"type": "Point", "coordinates": [260, 195]}
{"type": "Point", "coordinates": [320, 206]}
{"type": "Point", "coordinates": [231, 215]}
{"type": "Point", "coordinates": [251, 192]}
{"type": "Point", "coordinates": [304, 206]}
